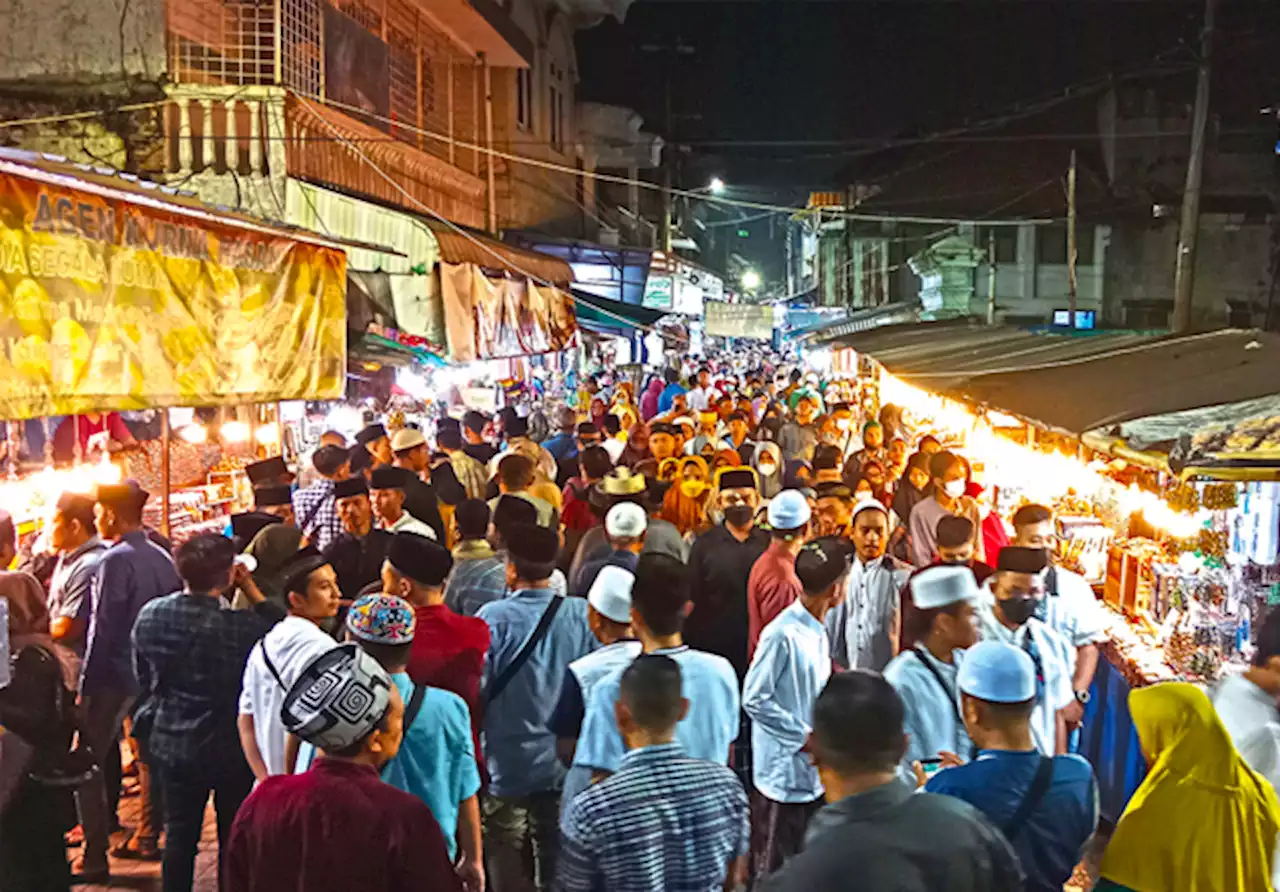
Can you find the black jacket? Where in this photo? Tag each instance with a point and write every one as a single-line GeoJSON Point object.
{"type": "Point", "coordinates": [892, 839]}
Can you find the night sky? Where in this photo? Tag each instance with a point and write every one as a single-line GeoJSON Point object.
{"type": "Point", "coordinates": [855, 70]}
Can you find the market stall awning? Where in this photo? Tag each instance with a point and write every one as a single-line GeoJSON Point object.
{"type": "Point", "coordinates": [461, 245]}
{"type": "Point", "coordinates": [601, 314]}
{"type": "Point", "coordinates": [860, 321]}
{"type": "Point", "coordinates": [1076, 382]}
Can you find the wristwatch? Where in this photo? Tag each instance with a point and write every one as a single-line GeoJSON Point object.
{"type": "Point", "coordinates": [1082, 697]}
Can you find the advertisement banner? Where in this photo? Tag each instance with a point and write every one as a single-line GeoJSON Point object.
{"type": "Point", "coordinates": [110, 304]}
{"type": "Point", "coordinates": [739, 320]}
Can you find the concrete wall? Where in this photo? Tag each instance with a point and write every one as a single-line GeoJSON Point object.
{"type": "Point", "coordinates": [1231, 267]}
{"type": "Point", "coordinates": [81, 40]}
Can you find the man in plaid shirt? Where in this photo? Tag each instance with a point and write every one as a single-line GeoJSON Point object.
{"type": "Point", "coordinates": [188, 656]}
{"type": "Point", "coordinates": [662, 822]}
{"type": "Point", "coordinates": [315, 509]}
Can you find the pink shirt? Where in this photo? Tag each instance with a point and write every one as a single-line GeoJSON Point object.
{"type": "Point", "coordinates": [772, 587]}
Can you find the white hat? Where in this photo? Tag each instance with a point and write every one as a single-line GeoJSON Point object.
{"type": "Point", "coordinates": [610, 594]}
{"type": "Point", "coordinates": [939, 586]}
{"type": "Point", "coordinates": [997, 672]}
{"type": "Point", "coordinates": [866, 504]}
{"type": "Point", "coordinates": [686, 421]}
{"type": "Point", "coordinates": [788, 510]}
{"type": "Point", "coordinates": [626, 520]}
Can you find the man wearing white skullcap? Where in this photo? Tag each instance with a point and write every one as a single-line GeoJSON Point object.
{"type": "Point", "coordinates": [360, 833]}
{"type": "Point", "coordinates": [773, 585]}
{"type": "Point", "coordinates": [943, 625]}
{"type": "Point", "coordinates": [1047, 807]}
{"type": "Point", "coordinates": [864, 627]}
{"type": "Point", "coordinates": [609, 614]}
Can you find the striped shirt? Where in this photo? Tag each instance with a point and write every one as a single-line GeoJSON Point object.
{"type": "Point", "coordinates": [662, 823]}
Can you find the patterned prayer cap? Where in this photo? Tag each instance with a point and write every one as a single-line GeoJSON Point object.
{"type": "Point", "coordinates": [338, 699]}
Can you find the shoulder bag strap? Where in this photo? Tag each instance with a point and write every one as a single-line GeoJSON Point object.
{"type": "Point", "coordinates": [937, 676]}
{"type": "Point", "coordinates": [271, 667]}
{"type": "Point", "coordinates": [1051, 581]}
{"type": "Point", "coordinates": [499, 684]}
{"type": "Point", "coordinates": [415, 705]}
{"type": "Point", "coordinates": [311, 514]}
{"type": "Point", "coordinates": [1039, 787]}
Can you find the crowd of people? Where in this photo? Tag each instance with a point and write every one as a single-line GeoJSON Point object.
{"type": "Point", "coordinates": [721, 629]}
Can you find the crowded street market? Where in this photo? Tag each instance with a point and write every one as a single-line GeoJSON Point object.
{"type": "Point", "coordinates": [403, 546]}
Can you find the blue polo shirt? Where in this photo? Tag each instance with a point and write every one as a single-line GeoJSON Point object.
{"type": "Point", "coordinates": [437, 761]}
{"type": "Point", "coordinates": [1050, 841]}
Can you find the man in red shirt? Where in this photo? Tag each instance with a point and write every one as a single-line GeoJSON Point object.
{"type": "Point", "coordinates": [448, 650]}
{"type": "Point", "coordinates": [83, 429]}
{"type": "Point", "coordinates": [773, 585]}
{"type": "Point", "coordinates": [338, 827]}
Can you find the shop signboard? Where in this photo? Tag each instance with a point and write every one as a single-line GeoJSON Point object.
{"type": "Point", "coordinates": [658, 292]}
{"type": "Point", "coordinates": [107, 303]}
{"type": "Point", "coordinates": [725, 320]}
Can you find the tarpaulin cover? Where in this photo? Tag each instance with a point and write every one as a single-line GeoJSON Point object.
{"type": "Point", "coordinates": [496, 318]}
{"type": "Point", "coordinates": [111, 300]}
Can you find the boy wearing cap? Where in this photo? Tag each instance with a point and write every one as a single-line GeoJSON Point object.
{"type": "Point", "coordinates": [791, 665]}
{"type": "Point", "coordinates": [864, 627]}
{"type": "Point", "coordinates": [387, 487]}
{"type": "Point", "coordinates": [942, 625]}
{"type": "Point", "coordinates": [1047, 807]}
{"type": "Point", "coordinates": [436, 761]}
{"type": "Point", "coordinates": [536, 633]}
{"type": "Point", "coordinates": [1008, 614]}
{"type": "Point", "coordinates": [1069, 606]}
{"type": "Point", "coordinates": [625, 526]}
{"type": "Point", "coordinates": [357, 554]}
{"type": "Point", "coordinates": [659, 605]}
{"type": "Point", "coordinates": [609, 615]}
{"type": "Point", "coordinates": [773, 585]}
{"type": "Point", "coordinates": [448, 650]}
{"type": "Point", "coordinates": [338, 826]}
{"type": "Point", "coordinates": [375, 441]}
{"type": "Point", "coordinates": [311, 588]}
{"type": "Point", "coordinates": [720, 563]}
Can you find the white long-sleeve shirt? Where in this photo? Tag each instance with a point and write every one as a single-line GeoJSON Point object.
{"type": "Point", "coordinates": [791, 665]}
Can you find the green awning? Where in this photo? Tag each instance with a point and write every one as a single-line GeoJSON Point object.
{"type": "Point", "coordinates": [598, 313]}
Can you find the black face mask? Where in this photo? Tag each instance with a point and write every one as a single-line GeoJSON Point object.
{"type": "Point", "coordinates": [1020, 609]}
{"type": "Point", "coordinates": [739, 515]}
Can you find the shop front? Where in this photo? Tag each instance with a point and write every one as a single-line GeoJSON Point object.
{"type": "Point", "coordinates": [1157, 455]}
{"type": "Point", "coordinates": [148, 336]}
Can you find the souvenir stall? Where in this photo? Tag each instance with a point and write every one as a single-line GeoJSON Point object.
{"type": "Point", "coordinates": [1180, 549]}
{"type": "Point", "coordinates": [149, 337]}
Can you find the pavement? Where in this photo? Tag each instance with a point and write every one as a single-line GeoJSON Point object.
{"type": "Point", "coordinates": [144, 876]}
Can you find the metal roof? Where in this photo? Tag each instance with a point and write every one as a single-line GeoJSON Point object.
{"type": "Point", "coordinates": [461, 245]}
{"type": "Point", "coordinates": [1078, 382]}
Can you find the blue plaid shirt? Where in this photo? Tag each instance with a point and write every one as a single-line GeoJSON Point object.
{"type": "Point", "coordinates": [315, 510]}
{"type": "Point", "coordinates": [662, 823]}
{"type": "Point", "coordinates": [475, 582]}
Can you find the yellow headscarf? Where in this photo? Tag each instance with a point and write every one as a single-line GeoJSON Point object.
{"type": "Point", "coordinates": [1202, 821]}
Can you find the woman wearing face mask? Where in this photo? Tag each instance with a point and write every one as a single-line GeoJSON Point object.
{"type": "Point", "coordinates": [768, 464]}
{"type": "Point", "coordinates": [685, 504]}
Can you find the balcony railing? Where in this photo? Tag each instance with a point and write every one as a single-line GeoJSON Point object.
{"type": "Point", "coordinates": [237, 145]}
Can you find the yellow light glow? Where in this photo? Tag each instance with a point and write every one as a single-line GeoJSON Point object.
{"type": "Point", "coordinates": [34, 496]}
{"type": "Point", "coordinates": [1041, 476]}
{"type": "Point", "coordinates": [235, 432]}
{"type": "Point", "coordinates": [268, 435]}
{"type": "Point", "coordinates": [194, 433]}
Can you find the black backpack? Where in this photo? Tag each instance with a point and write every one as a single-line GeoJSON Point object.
{"type": "Point", "coordinates": [37, 707]}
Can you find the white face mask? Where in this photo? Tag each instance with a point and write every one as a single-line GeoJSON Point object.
{"type": "Point", "coordinates": [954, 488]}
{"type": "Point", "coordinates": [766, 468]}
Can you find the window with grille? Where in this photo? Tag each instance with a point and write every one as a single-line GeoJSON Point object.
{"type": "Point", "coordinates": [1006, 238]}
{"type": "Point", "coordinates": [1051, 244]}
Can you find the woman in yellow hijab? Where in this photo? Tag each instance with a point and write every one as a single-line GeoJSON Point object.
{"type": "Point", "coordinates": [685, 503]}
{"type": "Point", "coordinates": [1202, 821]}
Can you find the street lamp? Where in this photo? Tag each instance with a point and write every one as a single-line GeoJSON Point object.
{"type": "Point", "coordinates": [716, 186]}
{"type": "Point", "coordinates": [750, 280]}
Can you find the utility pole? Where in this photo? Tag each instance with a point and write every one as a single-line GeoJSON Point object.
{"type": "Point", "coordinates": [991, 276]}
{"type": "Point", "coordinates": [1071, 242]}
{"type": "Point", "coordinates": [1189, 225]}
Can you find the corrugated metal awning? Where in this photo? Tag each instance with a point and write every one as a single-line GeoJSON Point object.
{"type": "Point", "coordinates": [459, 244]}
{"type": "Point", "coordinates": [1077, 382]}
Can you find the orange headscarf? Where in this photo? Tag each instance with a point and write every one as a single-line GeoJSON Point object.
{"type": "Point", "coordinates": [688, 512]}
